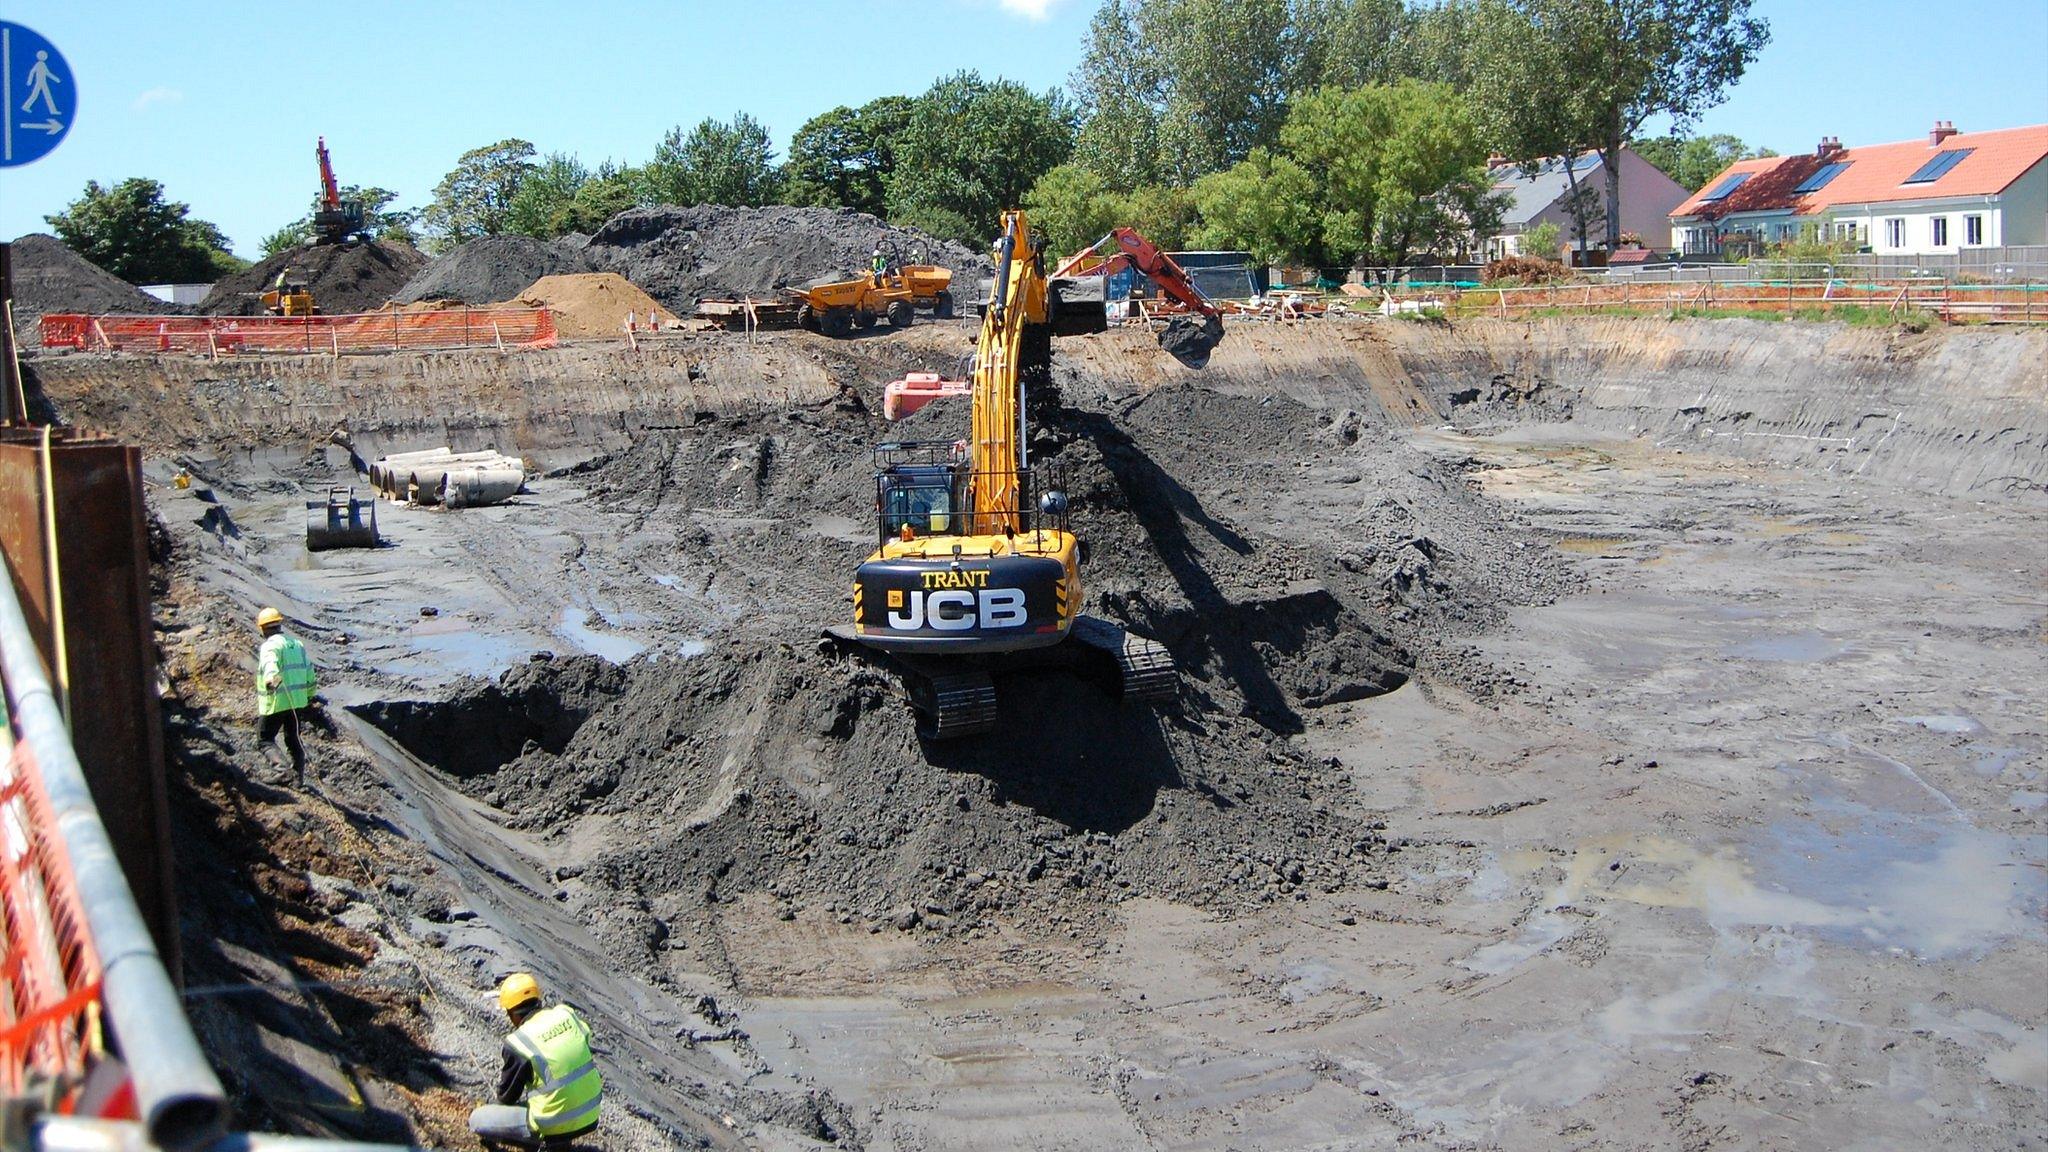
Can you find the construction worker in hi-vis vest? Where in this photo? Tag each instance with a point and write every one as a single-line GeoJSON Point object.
{"type": "Point", "coordinates": [284, 687]}
{"type": "Point", "coordinates": [547, 1060]}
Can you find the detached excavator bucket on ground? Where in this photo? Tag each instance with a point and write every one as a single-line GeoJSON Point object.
{"type": "Point", "coordinates": [340, 521]}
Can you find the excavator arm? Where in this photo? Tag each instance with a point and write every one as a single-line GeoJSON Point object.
{"type": "Point", "coordinates": [1188, 340]}
{"type": "Point", "coordinates": [330, 192]}
{"type": "Point", "coordinates": [1130, 249]}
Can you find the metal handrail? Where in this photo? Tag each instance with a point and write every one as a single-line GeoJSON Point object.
{"type": "Point", "coordinates": [177, 1094]}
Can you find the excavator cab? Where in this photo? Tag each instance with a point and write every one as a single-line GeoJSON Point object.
{"type": "Point", "coordinates": [919, 500]}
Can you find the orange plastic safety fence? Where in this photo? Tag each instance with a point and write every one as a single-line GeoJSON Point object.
{"type": "Point", "coordinates": [361, 332]}
{"type": "Point", "coordinates": [50, 971]}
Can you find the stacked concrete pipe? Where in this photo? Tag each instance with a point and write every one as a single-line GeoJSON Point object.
{"type": "Point", "coordinates": [444, 476]}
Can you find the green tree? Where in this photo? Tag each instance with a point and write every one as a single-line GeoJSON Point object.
{"type": "Point", "coordinates": [542, 206]}
{"type": "Point", "coordinates": [1267, 205]}
{"type": "Point", "coordinates": [1381, 172]}
{"type": "Point", "coordinates": [1352, 43]}
{"type": "Point", "coordinates": [717, 162]}
{"type": "Point", "coordinates": [1694, 160]}
{"type": "Point", "coordinates": [1174, 89]}
{"type": "Point", "coordinates": [476, 198]}
{"type": "Point", "coordinates": [971, 149]}
{"type": "Point", "coordinates": [843, 158]}
{"type": "Point", "coordinates": [1604, 68]}
{"type": "Point", "coordinates": [612, 189]}
{"type": "Point", "coordinates": [1165, 214]}
{"type": "Point", "coordinates": [133, 232]}
{"type": "Point", "coordinates": [1071, 207]}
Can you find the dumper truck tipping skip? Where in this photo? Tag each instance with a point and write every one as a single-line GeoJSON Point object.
{"type": "Point", "coordinates": [975, 571]}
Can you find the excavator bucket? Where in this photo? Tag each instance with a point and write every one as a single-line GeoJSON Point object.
{"type": "Point", "coordinates": [1190, 339]}
{"type": "Point", "coordinates": [340, 521]}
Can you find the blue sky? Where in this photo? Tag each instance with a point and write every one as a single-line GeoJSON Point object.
{"type": "Point", "coordinates": [221, 101]}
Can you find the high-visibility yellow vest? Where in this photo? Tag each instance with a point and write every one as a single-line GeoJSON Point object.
{"type": "Point", "coordinates": [566, 1087]}
{"type": "Point", "coordinates": [282, 661]}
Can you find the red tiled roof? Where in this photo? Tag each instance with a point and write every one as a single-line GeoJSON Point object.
{"type": "Point", "coordinates": [1877, 174]}
{"type": "Point", "coordinates": [1769, 187]}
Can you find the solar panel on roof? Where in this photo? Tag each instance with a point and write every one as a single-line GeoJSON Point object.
{"type": "Point", "coordinates": [1938, 167]}
{"type": "Point", "coordinates": [1821, 176]}
{"type": "Point", "coordinates": [1722, 189]}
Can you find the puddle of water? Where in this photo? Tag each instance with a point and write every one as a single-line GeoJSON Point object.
{"type": "Point", "coordinates": [575, 625]}
{"type": "Point", "coordinates": [666, 580]}
{"type": "Point", "coordinates": [1952, 725]}
{"type": "Point", "coordinates": [1798, 648]}
{"type": "Point", "coordinates": [462, 651]}
{"type": "Point", "coordinates": [1538, 933]}
{"type": "Point", "coordinates": [1592, 545]}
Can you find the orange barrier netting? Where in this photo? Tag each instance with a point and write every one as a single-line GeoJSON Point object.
{"type": "Point", "coordinates": [50, 973]}
{"type": "Point", "coordinates": [361, 332]}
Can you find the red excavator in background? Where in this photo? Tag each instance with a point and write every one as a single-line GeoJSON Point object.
{"type": "Point", "coordinates": [1083, 278]}
{"type": "Point", "coordinates": [335, 221]}
{"type": "Point", "coordinates": [1188, 341]}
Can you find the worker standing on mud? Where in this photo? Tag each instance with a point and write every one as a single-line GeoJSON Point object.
{"type": "Point", "coordinates": [284, 686]}
{"type": "Point", "coordinates": [547, 1060]}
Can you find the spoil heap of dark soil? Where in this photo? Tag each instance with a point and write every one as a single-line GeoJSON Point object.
{"type": "Point", "coordinates": [343, 277]}
{"type": "Point", "coordinates": [771, 769]}
{"type": "Point", "coordinates": [682, 255]}
{"type": "Point", "coordinates": [50, 277]}
{"type": "Point", "coordinates": [492, 269]}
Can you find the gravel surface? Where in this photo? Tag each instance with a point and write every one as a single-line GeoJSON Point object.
{"type": "Point", "coordinates": [682, 255]}
{"type": "Point", "coordinates": [492, 270]}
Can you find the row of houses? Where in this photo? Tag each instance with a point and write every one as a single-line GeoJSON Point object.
{"type": "Point", "coordinates": [1949, 192]}
{"type": "Point", "coordinates": [1943, 194]}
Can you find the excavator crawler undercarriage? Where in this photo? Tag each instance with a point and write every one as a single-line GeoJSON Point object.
{"type": "Point", "coordinates": [955, 696]}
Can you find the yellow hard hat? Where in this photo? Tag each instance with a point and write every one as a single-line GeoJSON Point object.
{"type": "Point", "coordinates": [518, 988]}
{"type": "Point", "coordinates": [268, 617]}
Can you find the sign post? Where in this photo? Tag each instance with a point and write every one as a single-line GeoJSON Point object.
{"type": "Point", "coordinates": [38, 96]}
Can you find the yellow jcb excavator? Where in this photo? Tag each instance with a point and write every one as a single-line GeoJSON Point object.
{"type": "Point", "coordinates": [976, 571]}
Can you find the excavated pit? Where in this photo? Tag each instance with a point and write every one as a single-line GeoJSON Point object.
{"type": "Point", "coordinates": [1515, 655]}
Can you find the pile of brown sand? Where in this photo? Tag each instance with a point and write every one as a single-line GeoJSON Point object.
{"type": "Point", "coordinates": [593, 303]}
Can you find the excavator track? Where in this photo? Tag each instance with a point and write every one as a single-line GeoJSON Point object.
{"type": "Point", "coordinates": [958, 704]}
{"type": "Point", "coordinates": [1145, 670]}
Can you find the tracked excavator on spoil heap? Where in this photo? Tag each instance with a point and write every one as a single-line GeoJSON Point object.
{"type": "Point", "coordinates": [975, 571]}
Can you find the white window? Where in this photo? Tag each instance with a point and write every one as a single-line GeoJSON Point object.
{"type": "Point", "coordinates": [1973, 229]}
{"type": "Point", "coordinates": [1895, 232]}
{"type": "Point", "coordinates": [1940, 231]}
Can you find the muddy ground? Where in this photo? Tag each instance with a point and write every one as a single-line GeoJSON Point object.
{"type": "Point", "coordinates": [1536, 782]}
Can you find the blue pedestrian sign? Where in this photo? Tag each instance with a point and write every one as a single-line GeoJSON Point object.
{"type": "Point", "coordinates": [38, 96]}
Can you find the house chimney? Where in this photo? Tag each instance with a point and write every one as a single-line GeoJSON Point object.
{"type": "Point", "coordinates": [1943, 129]}
{"type": "Point", "coordinates": [1830, 147]}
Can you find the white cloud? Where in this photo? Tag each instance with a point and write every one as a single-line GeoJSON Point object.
{"type": "Point", "coordinates": [1029, 9]}
{"type": "Point", "coordinates": [157, 96]}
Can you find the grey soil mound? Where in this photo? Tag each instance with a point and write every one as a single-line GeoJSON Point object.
{"type": "Point", "coordinates": [50, 277]}
{"type": "Point", "coordinates": [770, 767]}
{"type": "Point", "coordinates": [682, 255]}
{"type": "Point", "coordinates": [492, 269]}
{"type": "Point", "coordinates": [343, 277]}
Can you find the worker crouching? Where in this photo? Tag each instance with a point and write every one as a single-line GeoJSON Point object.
{"type": "Point", "coordinates": [546, 1060]}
